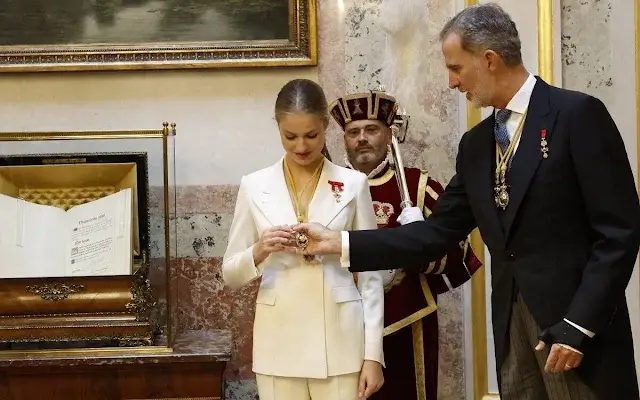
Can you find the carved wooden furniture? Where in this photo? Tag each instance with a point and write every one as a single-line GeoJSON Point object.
{"type": "Point", "coordinates": [192, 370]}
{"type": "Point", "coordinates": [113, 308]}
{"type": "Point", "coordinates": [110, 337]}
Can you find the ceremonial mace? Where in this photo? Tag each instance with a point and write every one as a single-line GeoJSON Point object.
{"type": "Point", "coordinates": [398, 135]}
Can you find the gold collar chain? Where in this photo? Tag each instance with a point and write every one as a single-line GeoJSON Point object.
{"type": "Point", "coordinates": [297, 197]}
{"type": "Point", "coordinates": [302, 240]}
{"type": "Point", "coordinates": [501, 189]}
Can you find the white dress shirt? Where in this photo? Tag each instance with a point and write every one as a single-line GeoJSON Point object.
{"type": "Point", "coordinates": [518, 105]}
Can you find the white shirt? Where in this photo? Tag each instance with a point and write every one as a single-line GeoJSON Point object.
{"type": "Point", "coordinates": [518, 105]}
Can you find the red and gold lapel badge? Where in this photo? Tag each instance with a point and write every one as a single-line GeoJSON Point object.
{"type": "Point", "coordinates": [337, 188]}
{"type": "Point", "coordinates": [544, 144]}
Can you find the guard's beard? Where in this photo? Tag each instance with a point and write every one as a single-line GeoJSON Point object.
{"type": "Point", "coordinates": [388, 160]}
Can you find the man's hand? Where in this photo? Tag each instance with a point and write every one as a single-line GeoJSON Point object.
{"type": "Point", "coordinates": [371, 379]}
{"type": "Point", "coordinates": [561, 358]}
{"type": "Point", "coordinates": [566, 343]}
{"type": "Point", "coordinates": [322, 240]}
{"type": "Point", "coordinates": [410, 214]}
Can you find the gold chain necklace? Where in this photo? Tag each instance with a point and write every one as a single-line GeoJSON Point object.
{"type": "Point", "coordinates": [302, 239]}
{"type": "Point", "coordinates": [501, 196]}
{"type": "Point", "coordinates": [297, 198]}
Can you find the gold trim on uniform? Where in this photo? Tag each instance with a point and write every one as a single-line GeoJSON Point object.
{"type": "Point", "coordinates": [340, 108]}
{"type": "Point", "coordinates": [431, 301]}
{"type": "Point", "coordinates": [381, 180]}
{"type": "Point", "coordinates": [415, 317]}
{"type": "Point", "coordinates": [434, 195]}
{"type": "Point", "coordinates": [418, 315]}
{"type": "Point", "coordinates": [443, 263]}
{"type": "Point", "coordinates": [422, 187]}
{"type": "Point", "coordinates": [357, 97]}
{"type": "Point", "coordinates": [432, 266]}
{"type": "Point", "coordinates": [418, 360]}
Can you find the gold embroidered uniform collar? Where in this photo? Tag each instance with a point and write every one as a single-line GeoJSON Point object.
{"type": "Point", "coordinates": [384, 178]}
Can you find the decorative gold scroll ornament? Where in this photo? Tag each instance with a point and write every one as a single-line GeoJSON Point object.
{"type": "Point", "coordinates": [54, 291]}
{"type": "Point", "coordinates": [302, 239]}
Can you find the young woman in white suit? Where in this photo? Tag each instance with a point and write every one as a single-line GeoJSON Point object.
{"type": "Point", "coordinates": [318, 329]}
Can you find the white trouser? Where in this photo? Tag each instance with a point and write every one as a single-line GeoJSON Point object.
{"type": "Point", "coordinates": [340, 387]}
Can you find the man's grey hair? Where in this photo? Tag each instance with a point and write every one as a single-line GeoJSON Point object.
{"type": "Point", "coordinates": [486, 27]}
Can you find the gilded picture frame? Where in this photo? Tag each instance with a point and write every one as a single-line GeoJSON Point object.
{"type": "Point", "coordinates": [82, 35]}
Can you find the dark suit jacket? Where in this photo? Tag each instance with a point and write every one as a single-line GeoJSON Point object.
{"type": "Point", "coordinates": [568, 239]}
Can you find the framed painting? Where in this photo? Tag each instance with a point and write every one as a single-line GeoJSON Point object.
{"type": "Point", "coordinates": [80, 35]}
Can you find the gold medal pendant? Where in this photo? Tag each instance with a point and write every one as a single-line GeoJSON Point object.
{"type": "Point", "coordinates": [501, 196]}
{"type": "Point", "coordinates": [501, 192]}
{"type": "Point", "coordinates": [302, 240]}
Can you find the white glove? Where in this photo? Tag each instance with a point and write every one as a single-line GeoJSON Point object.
{"type": "Point", "coordinates": [410, 214]}
{"type": "Point", "coordinates": [387, 276]}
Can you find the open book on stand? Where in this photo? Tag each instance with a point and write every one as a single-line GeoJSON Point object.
{"type": "Point", "coordinates": [44, 241]}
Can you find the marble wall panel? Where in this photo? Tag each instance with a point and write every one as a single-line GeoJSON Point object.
{"type": "Point", "coordinates": [586, 47]}
{"type": "Point", "coordinates": [331, 35]}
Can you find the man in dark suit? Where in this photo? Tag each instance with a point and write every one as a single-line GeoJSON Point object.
{"type": "Point", "coordinates": [547, 180]}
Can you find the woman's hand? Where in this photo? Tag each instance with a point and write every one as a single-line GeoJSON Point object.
{"type": "Point", "coordinates": [272, 240]}
{"type": "Point", "coordinates": [371, 379]}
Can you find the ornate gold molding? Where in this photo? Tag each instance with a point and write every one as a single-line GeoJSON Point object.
{"type": "Point", "coordinates": [91, 135]}
{"type": "Point", "coordinates": [54, 291]}
{"type": "Point", "coordinates": [142, 301]}
{"type": "Point", "coordinates": [637, 50]}
{"type": "Point", "coordinates": [88, 352]}
{"type": "Point", "coordinates": [545, 40]}
{"type": "Point", "coordinates": [299, 49]}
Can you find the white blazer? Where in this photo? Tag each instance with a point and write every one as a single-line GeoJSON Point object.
{"type": "Point", "coordinates": [311, 320]}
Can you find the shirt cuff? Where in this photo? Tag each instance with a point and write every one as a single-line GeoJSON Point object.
{"type": "Point", "coordinates": [581, 329]}
{"type": "Point", "coordinates": [570, 348]}
{"type": "Point", "coordinates": [344, 255]}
